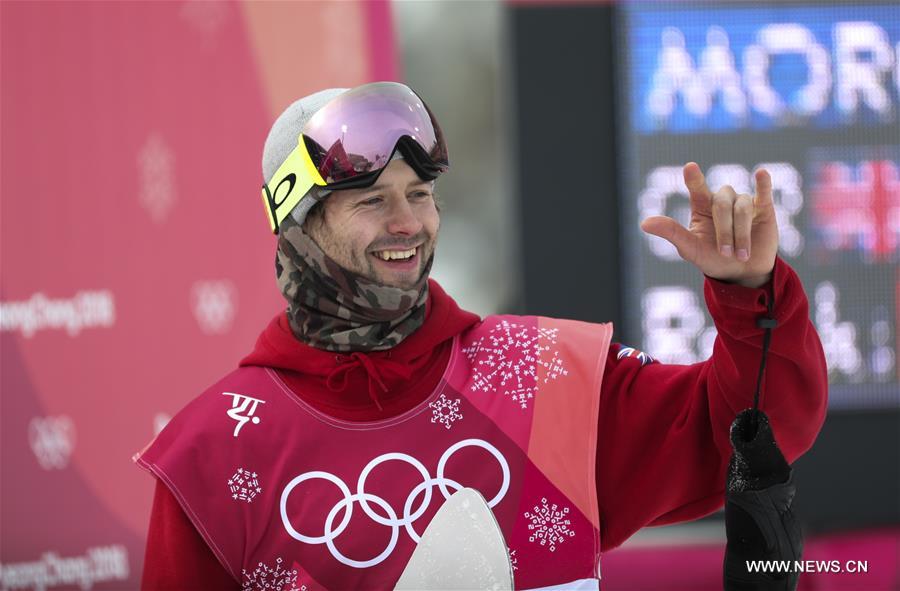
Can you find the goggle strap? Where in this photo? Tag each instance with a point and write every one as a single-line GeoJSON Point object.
{"type": "Point", "coordinates": [300, 174]}
{"type": "Point", "coordinates": [269, 206]}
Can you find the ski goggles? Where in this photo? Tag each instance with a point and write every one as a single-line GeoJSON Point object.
{"type": "Point", "coordinates": [348, 142]}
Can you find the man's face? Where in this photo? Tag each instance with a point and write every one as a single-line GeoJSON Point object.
{"type": "Point", "coordinates": [386, 232]}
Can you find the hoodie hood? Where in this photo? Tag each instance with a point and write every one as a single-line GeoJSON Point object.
{"type": "Point", "coordinates": [363, 379]}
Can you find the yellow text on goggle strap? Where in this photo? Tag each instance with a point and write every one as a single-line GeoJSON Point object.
{"type": "Point", "coordinates": [293, 179]}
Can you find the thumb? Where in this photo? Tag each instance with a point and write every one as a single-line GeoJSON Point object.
{"type": "Point", "coordinates": [667, 228]}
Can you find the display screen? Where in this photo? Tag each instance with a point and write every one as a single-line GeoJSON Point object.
{"type": "Point", "coordinates": [812, 93]}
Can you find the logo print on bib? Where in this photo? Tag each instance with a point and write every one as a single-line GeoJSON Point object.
{"type": "Point", "coordinates": [549, 524]}
{"type": "Point", "coordinates": [244, 485]}
{"type": "Point", "coordinates": [345, 506]}
{"type": "Point", "coordinates": [508, 359]}
{"type": "Point", "coordinates": [239, 404]}
{"type": "Point", "coordinates": [266, 577]}
{"type": "Point", "coordinates": [445, 411]}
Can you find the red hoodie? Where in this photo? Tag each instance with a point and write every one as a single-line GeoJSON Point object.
{"type": "Point", "coordinates": [663, 429]}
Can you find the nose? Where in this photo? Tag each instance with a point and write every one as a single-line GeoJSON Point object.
{"type": "Point", "coordinates": [402, 218]}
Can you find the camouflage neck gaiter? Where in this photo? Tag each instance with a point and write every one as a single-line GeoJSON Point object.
{"type": "Point", "coordinates": [335, 309]}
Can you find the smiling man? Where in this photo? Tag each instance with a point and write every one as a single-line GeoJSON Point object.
{"type": "Point", "coordinates": [319, 462]}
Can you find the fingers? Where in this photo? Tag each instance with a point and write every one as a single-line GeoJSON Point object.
{"type": "Point", "coordinates": [681, 238]}
{"type": "Point", "coordinates": [732, 215]}
{"type": "Point", "coordinates": [723, 219]}
{"type": "Point", "coordinates": [743, 223]}
{"type": "Point", "coordinates": [763, 189]}
{"type": "Point", "coordinates": [701, 196]}
{"type": "Point", "coordinates": [733, 220]}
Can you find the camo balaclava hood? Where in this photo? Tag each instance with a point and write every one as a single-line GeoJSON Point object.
{"type": "Point", "coordinates": [333, 308]}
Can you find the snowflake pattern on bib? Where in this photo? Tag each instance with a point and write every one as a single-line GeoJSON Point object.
{"type": "Point", "coordinates": [445, 411]}
{"type": "Point", "coordinates": [507, 360]}
{"type": "Point", "coordinates": [244, 485]}
{"type": "Point", "coordinates": [271, 578]}
{"type": "Point", "coordinates": [549, 524]}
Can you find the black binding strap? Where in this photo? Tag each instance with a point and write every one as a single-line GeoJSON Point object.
{"type": "Point", "coordinates": [767, 322]}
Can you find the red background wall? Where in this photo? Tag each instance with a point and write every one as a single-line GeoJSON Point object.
{"type": "Point", "coordinates": [137, 266]}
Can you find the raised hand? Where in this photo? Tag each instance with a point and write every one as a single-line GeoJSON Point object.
{"type": "Point", "coordinates": [730, 237]}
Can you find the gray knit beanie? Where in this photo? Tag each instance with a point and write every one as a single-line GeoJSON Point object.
{"type": "Point", "coordinates": [282, 140]}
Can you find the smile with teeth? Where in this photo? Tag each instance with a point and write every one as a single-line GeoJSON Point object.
{"type": "Point", "coordinates": [392, 255]}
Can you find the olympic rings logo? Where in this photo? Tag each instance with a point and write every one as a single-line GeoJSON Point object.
{"type": "Point", "coordinates": [389, 518]}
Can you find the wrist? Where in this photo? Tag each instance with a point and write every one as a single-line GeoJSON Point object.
{"type": "Point", "coordinates": [750, 282]}
{"type": "Point", "coordinates": [755, 282]}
